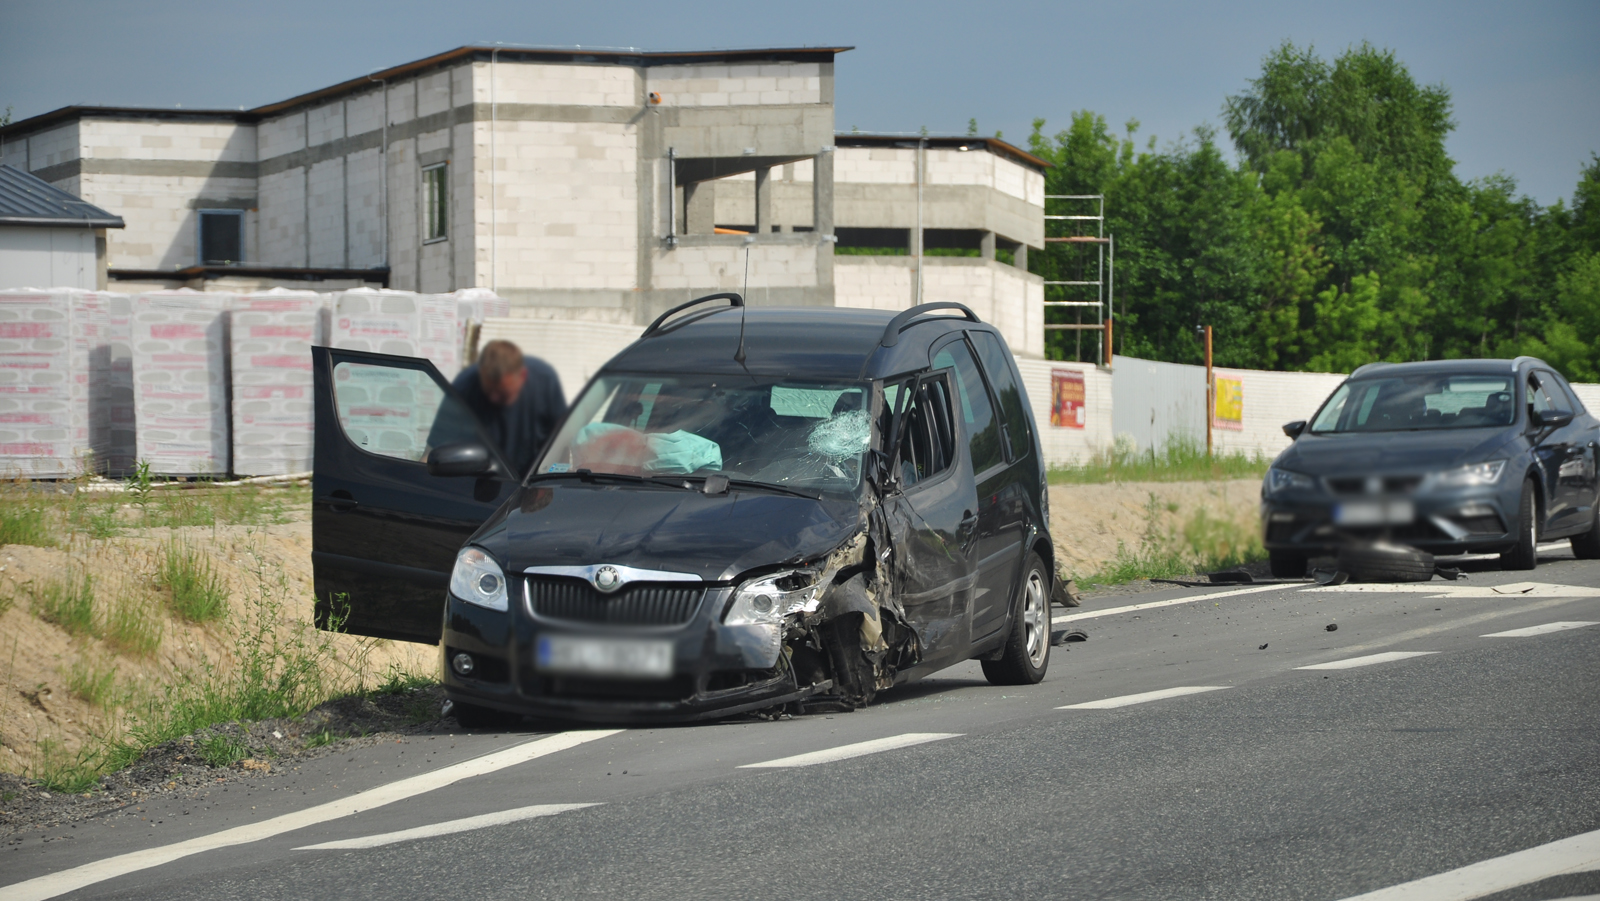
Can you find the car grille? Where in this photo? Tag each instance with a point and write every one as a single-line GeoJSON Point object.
{"type": "Point", "coordinates": [575, 600]}
{"type": "Point", "coordinates": [1352, 485]}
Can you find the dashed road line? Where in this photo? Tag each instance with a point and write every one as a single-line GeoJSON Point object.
{"type": "Point", "coordinates": [1134, 608]}
{"type": "Point", "coordinates": [845, 752]}
{"type": "Point", "coordinates": [1145, 697]}
{"type": "Point", "coordinates": [1448, 590]}
{"type": "Point", "coordinates": [1369, 660]}
{"type": "Point", "coordinates": [1545, 629]}
{"type": "Point", "coordinates": [466, 824]}
{"type": "Point", "coordinates": [53, 884]}
{"type": "Point", "coordinates": [1577, 854]}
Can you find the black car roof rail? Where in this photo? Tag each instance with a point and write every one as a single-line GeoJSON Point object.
{"type": "Point", "coordinates": [734, 300]}
{"type": "Point", "coordinates": [905, 320]}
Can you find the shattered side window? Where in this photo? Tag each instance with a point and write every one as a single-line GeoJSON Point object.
{"type": "Point", "coordinates": [927, 445]}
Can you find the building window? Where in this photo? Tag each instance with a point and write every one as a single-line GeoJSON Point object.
{"type": "Point", "coordinates": [221, 237]}
{"type": "Point", "coordinates": [436, 202]}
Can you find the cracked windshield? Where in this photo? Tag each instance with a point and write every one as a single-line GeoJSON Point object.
{"type": "Point", "coordinates": [805, 435]}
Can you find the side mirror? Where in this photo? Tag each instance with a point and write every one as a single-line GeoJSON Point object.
{"type": "Point", "coordinates": [1293, 429]}
{"type": "Point", "coordinates": [1552, 419]}
{"type": "Point", "coordinates": [467, 458]}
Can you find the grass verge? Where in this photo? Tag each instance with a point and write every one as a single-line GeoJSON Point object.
{"type": "Point", "coordinates": [197, 591]}
{"type": "Point", "coordinates": [1201, 543]}
{"type": "Point", "coordinates": [1181, 460]}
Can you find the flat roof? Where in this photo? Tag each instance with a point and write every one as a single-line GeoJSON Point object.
{"type": "Point", "coordinates": [943, 142]}
{"type": "Point", "coordinates": [510, 53]}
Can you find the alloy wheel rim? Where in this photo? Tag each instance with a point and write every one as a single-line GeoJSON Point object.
{"type": "Point", "coordinates": [1035, 619]}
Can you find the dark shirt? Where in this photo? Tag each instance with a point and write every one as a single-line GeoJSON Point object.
{"type": "Point", "coordinates": [520, 430]}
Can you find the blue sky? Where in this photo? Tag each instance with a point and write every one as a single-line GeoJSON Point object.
{"type": "Point", "coordinates": [1525, 77]}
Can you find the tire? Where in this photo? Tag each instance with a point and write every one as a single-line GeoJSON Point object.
{"type": "Point", "coordinates": [1524, 555]}
{"type": "Point", "coordinates": [1287, 565]}
{"type": "Point", "coordinates": [1386, 562]}
{"type": "Point", "coordinates": [1587, 545]}
{"type": "Point", "coordinates": [471, 716]}
{"type": "Point", "coordinates": [1027, 652]}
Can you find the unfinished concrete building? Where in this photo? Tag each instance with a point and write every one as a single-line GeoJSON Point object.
{"type": "Point", "coordinates": [586, 187]}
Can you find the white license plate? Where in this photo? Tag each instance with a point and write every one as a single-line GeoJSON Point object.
{"type": "Point", "coordinates": [1375, 513]}
{"type": "Point", "coordinates": [640, 658]}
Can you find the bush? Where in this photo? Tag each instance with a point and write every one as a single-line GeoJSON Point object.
{"type": "Point", "coordinates": [1182, 459]}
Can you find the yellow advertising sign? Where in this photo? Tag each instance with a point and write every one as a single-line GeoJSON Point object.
{"type": "Point", "coordinates": [1229, 411]}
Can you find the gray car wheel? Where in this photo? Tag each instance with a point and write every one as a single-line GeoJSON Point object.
{"type": "Point", "coordinates": [1525, 554]}
{"type": "Point", "coordinates": [1027, 652]}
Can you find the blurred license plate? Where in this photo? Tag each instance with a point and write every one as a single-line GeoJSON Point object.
{"type": "Point", "coordinates": [605, 656]}
{"type": "Point", "coordinates": [1375, 513]}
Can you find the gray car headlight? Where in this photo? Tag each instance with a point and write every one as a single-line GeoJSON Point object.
{"type": "Point", "coordinates": [768, 600]}
{"type": "Point", "coordinates": [477, 579]}
{"type": "Point", "coordinates": [1472, 474]}
{"type": "Point", "coordinates": [1283, 480]}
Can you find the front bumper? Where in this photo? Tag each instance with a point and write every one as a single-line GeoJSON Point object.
{"type": "Point", "coordinates": [1473, 520]}
{"type": "Point", "coordinates": [717, 670]}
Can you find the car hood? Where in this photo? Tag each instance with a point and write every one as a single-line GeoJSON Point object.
{"type": "Point", "coordinates": [716, 537]}
{"type": "Point", "coordinates": [1377, 452]}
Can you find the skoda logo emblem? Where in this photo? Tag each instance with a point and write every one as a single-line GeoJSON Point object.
{"type": "Point", "coordinates": [607, 579]}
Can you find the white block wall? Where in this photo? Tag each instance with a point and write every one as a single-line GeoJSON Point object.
{"type": "Point", "coordinates": [873, 283]}
{"type": "Point", "coordinates": [576, 350]}
{"type": "Point", "coordinates": [722, 267]}
{"type": "Point", "coordinates": [736, 85]}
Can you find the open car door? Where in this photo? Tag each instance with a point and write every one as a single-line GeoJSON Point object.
{"type": "Point", "coordinates": [384, 531]}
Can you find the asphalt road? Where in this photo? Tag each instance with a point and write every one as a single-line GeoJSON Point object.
{"type": "Point", "coordinates": [1245, 776]}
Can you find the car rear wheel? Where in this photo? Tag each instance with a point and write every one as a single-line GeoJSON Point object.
{"type": "Point", "coordinates": [1587, 545]}
{"type": "Point", "coordinates": [1525, 554]}
{"type": "Point", "coordinates": [1027, 650]}
{"type": "Point", "coordinates": [1287, 565]}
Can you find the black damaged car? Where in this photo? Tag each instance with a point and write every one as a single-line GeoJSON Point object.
{"type": "Point", "coordinates": [746, 509]}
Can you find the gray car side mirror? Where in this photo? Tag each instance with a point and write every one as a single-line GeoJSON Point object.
{"type": "Point", "coordinates": [466, 458]}
{"type": "Point", "coordinates": [1293, 429]}
{"type": "Point", "coordinates": [1553, 419]}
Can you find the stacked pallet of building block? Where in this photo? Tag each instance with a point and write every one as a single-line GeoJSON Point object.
{"type": "Point", "coordinates": [119, 450]}
{"type": "Point", "coordinates": [36, 410]}
{"type": "Point", "coordinates": [102, 380]}
{"type": "Point", "coordinates": [270, 337]}
{"type": "Point", "coordinates": [179, 342]}
{"type": "Point", "coordinates": [473, 307]}
{"type": "Point", "coordinates": [390, 411]}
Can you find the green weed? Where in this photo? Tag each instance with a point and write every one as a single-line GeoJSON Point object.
{"type": "Point", "coordinates": [24, 523]}
{"type": "Point", "coordinates": [68, 602]}
{"type": "Point", "coordinates": [92, 684]}
{"type": "Point", "coordinates": [1181, 460]}
{"type": "Point", "coordinates": [95, 519]}
{"type": "Point", "coordinates": [62, 771]}
{"type": "Point", "coordinates": [322, 738]}
{"type": "Point", "coordinates": [133, 626]}
{"type": "Point", "coordinates": [222, 749]}
{"type": "Point", "coordinates": [1205, 544]}
{"type": "Point", "coordinates": [198, 592]}
{"type": "Point", "coordinates": [399, 682]}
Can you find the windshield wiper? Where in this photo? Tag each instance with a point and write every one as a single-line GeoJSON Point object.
{"type": "Point", "coordinates": [585, 475]}
{"type": "Point", "coordinates": [768, 486]}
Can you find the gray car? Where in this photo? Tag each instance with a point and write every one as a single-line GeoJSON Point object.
{"type": "Point", "coordinates": [1448, 457]}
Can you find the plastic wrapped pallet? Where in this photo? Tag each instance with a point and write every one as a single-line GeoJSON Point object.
{"type": "Point", "coordinates": [271, 334]}
{"type": "Point", "coordinates": [36, 411]}
{"type": "Point", "coordinates": [179, 341]}
{"type": "Point", "coordinates": [473, 307]}
{"type": "Point", "coordinates": [102, 388]}
{"type": "Point", "coordinates": [119, 451]}
{"type": "Point", "coordinates": [385, 408]}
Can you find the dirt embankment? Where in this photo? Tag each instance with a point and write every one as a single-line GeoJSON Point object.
{"type": "Point", "coordinates": [1090, 522]}
{"type": "Point", "coordinates": [66, 688]}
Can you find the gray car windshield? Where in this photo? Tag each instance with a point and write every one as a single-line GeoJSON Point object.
{"type": "Point", "coordinates": [1411, 403]}
{"type": "Point", "coordinates": [804, 435]}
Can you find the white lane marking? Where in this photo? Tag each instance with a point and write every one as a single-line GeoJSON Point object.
{"type": "Point", "coordinates": [451, 827]}
{"type": "Point", "coordinates": [1577, 854]}
{"type": "Point", "coordinates": [1463, 590]}
{"type": "Point", "coordinates": [1132, 608]}
{"type": "Point", "coordinates": [1128, 700]}
{"type": "Point", "coordinates": [1370, 659]}
{"type": "Point", "coordinates": [1538, 630]}
{"type": "Point", "coordinates": [845, 752]}
{"type": "Point", "coordinates": [60, 883]}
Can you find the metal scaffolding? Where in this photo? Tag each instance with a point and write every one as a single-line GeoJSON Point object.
{"type": "Point", "coordinates": [1104, 282]}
